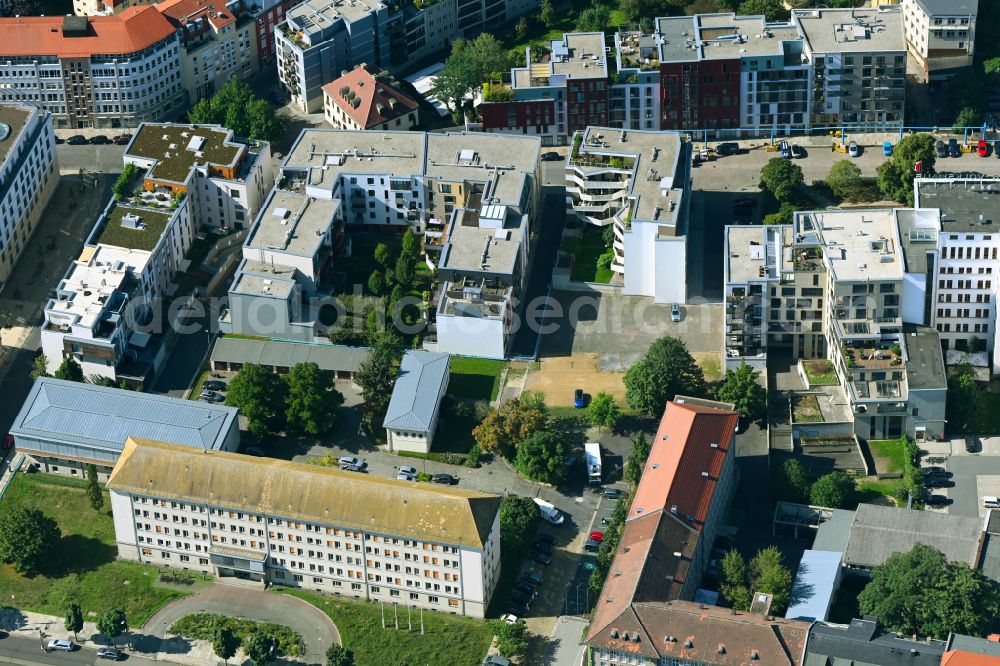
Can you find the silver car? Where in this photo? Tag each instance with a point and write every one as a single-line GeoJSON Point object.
{"type": "Point", "coordinates": [60, 645]}
{"type": "Point", "coordinates": [675, 312]}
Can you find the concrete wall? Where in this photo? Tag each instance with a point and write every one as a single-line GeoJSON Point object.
{"type": "Point", "coordinates": [408, 440]}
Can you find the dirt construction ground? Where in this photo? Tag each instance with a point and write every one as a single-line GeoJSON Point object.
{"type": "Point", "coordinates": [559, 376]}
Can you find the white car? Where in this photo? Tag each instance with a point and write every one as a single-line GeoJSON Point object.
{"type": "Point", "coordinates": [406, 469]}
{"type": "Point", "coordinates": [991, 502]}
{"type": "Point", "coordinates": [853, 149]}
{"type": "Point", "coordinates": [406, 477]}
{"type": "Point", "coordinates": [675, 312]}
{"type": "Point", "coordinates": [61, 645]}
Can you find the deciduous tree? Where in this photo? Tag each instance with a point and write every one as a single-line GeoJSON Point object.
{"type": "Point", "coordinates": [781, 178]}
{"type": "Point", "coordinates": [895, 177]}
{"type": "Point", "coordinates": [382, 255]}
{"type": "Point", "coordinates": [259, 648]}
{"type": "Point", "coordinates": [769, 574]}
{"type": "Point", "coordinates": [259, 394]}
{"type": "Point", "coordinates": [70, 370]}
{"type": "Point", "coordinates": [113, 623]}
{"type": "Point", "coordinates": [844, 178]}
{"type": "Point", "coordinates": [542, 457]}
{"type": "Point", "coordinates": [377, 374]}
{"type": "Point", "coordinates": [734, 581]}
{"type": "Point", "coordinates": [772, 10]}
{"type": "Point", "coordinates": [338, 655]}
{"type": "Point", "coordinates": [511, 638]}
{"type": "Point", "coordinates": [666, 370]}
{"type": "Point", "coordinates": [593, 19]}
{"type": "Point", "coordinates": [94, 493]}
{"type": "Point", "coordinates": [506, 426]}
{"type": "Point", "coordinates": [376, 283]}
{"type": "Point", "coordinates": [603, 411]}
{"type": "Point", "coordinates": [38, 368]}
{"type": "Point", "coordinates": [237, 107]}
{"type": "Point", "coordinates": [964, 403]}
{"type": "Point", "coordinates": [518, 519]}
{"type": "Point", "coordinates": [790, 482]}
{"type": "Point", "coordinates": [27, 538]}
{"type": "Point", "coordinates": [225, 643]}
{"type": "Point", "coordinates": [835, 490]}
{"type": "Point", "coordinates": [313, 401]}
{"type": "Point", "coordinates": [741, 388]}
{"type": "Point", "coordinates": [636, 461]}
{"type": "Point", "coordinates": [74, 620]}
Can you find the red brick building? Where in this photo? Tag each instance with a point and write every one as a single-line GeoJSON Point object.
{"type": "Point", "coordinates": [700, 94]}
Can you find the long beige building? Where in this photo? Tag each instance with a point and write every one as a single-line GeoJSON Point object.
{"type": "Point", "coordinates": [287, 523]}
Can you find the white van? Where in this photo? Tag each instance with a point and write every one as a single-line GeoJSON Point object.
{"type": "Point", "coordinates": [549, 512]}
{"type": "Point", "coordinates": [991, 502]}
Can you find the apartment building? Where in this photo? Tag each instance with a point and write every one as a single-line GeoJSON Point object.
{"type": "Point", "coordinates": [267, 15]}
{"type": "Point", "coordinates": [285, 523]}
{"type": "Point", "coordinates": [553, 99]}
{"type": "Point", "coordinates": [105, 7]}
{"type": "Point", "coordinates": [940, 35]}
{"type": "Point", "coordinates": [858, 58]}
{"type": "Point", "coordinates": [320, 39]}
{"type": "Point", "coordinates": [29, 174]}
{"type": "Point", "coordinates": [434, 25]}
{"type": "Point", "coordinates": [65, 426]}
{"type": "Point", "coordinates": [639, 182]}
{"type": "Point", "coordinates": [217, 43]}
{"type": "Point", "coordinates": [101, 71]}
{"type": "Point", "coordinates": [366, 98]}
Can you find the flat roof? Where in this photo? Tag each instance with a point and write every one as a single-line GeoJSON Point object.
{"type": "Point", "coordinates": [91, 281]}
{"type": "Point", "coordinates": [852, 30]}
{"type": "Point", "coordinates": [262, 285]}
{"type": "Point", "coordinates": [471, 247]}
{"type": "Point", "coordinates": [292, 223]}
{"type": "Point", "coordinates": [15, 117]}
{"type": "Point", "coordinates": [503, 161]}
{"type": "Point", "coordinates": [966, 205]}
{"type": "Point", "coordinates": [862, 642]}
{"type": "Point", "coordinates": [747, 247]}
{"type": "Point", "coordinates": [177, 148]}
{"type": "Point", "coordinates": [678, 40]}
{"type": "Point", "coordinates": [280, 353]}
{"type": "Point", "coordinates": [856, 244]}
{"type": "Point", "coordinates": [879, 531]}
{"type": "Point", "coordinates": [833, 534]}
{"type": "Point", "coordinates": [335, 152]}
{"type": "Point", "coordinates": [579, 55]}
{"type": "Point", "coordinates": [313, 16]}
{"type": "Point", "coordinates": [323, 495]}
{"type": "Point", "coordinates": [918, 235]}
{"type": "Point", "coordinates": [151, 225]}
{"type": "Point", "coordinates": [924, 363]}
{"type": "Point", "coordinates": [417, 392]}
{"type": "Point", "coordinates": [949, 7]}
{"type": "Point", "coordinates": [728, 36]}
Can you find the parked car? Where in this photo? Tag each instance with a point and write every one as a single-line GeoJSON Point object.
{"type": "Point", "coordinates": [551, 156]}
{"type": "Point", "coordinates": [100, 140]}
{"type": "Point", "coordinates": [77, 140]}
{"type": "Point", "coordinates": [591, 546]}
{"type": "Point", "coordinates": [541, 558]}
{"type": "Point", "coordinates": [516, 609]}
{"type": "Point", "coordinates": [785, 150]}
{"type": "Point", "coordinates": [254, 451]}
{"type": "Point", "coordinates": [214, 385]}
{"type": "Point", "coordinates": [533, 576]}
{"type": "Point", "coordinates": [496, 660]}
{"type": "Point", "coordinates": [110, 653]}
{"type": "Point", "coordinates": [991, 502]}
{"type": "Point", "coordinates": [936, 500]}
{"type": "Point", "coordinates": [406, 469]}
{"type": "Point", "coordinates": [402, 476]}
{"type": "Point", "coordinates": [545, 537]}
{"type": "Point", "coordinates": [527, 588]}
{"type": "Point", "coordinates": [508, 618]}
{"type": "Point", "coordinates": [444, 479]}
{"type": "Point", "coordinates": [613, 493]}
{"type": "Point", "coordinates": [728, 148]}
{"type": "Point", "coordinates": [887, 148]}
{"type": "Point", "coordinates": [60, 645]}
{"type": "Point", "coordinates": [745, 202]}
{"type": "Point", "coordinates": [211, 396]}
{"type": "Point", "coordinates": [797, 152]}
{"type": "Point", "coordinates": [579, 399]}
{"type": "Point", "coordinates": [675, 313]}
{"type": "Point", "coordinates": [352, 464]}
{"type": "Point", "coordinates": [982, 148]}
{"type": "Point", "coordinates": [543, 547]}
{"type": "Point", "coordinates": [942, 149]}
{"type": "Point", "coordinates": [121, 139]}
{"type": "Point", "coordinates": [59, 139]}
{"type": "Point", "coordinates": [519, 597]}
{"type": "Point", "coordinates": [972, 444]}
{"type": "Point", "coordinates": [938, 482]}
{"type": "Point", "coordinates": [853, 149]}
{"type": "Point", "coordinates": [953, 150]}
{"type": "Point", "coordinates": [933, 470]}
{"type": "Point", "coordinates": [597, 536]}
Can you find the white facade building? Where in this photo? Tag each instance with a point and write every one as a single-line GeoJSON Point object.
{"type": "Point", "coordinates": [29, 174]}
{"type": "Point", "coordinates": [940, 35]}
{"type": "Point", "coordinates": [317, 528]}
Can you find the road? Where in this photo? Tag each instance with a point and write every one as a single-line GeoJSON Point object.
{"type": "Point", "coordinates": [26, 652]}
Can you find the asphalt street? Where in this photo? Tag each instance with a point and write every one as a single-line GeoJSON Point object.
{"type": "Point", "coordinates": [26, 652]}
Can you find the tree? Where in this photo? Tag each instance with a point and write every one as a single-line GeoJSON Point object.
{"type": "Point", "coordinates": [469, 65]}
{"type": "Point", "coordinates": [781, 178]}
{"type": "Point", "coordinates": [734, 581]}
{"type": "Point", "coordinates": [410, 244]}
{"type": "Point", "coordinates": [518, 518]}
{"type": "Point", "coordinates": [225, 643]}
{"type": "Point", "coordinates": [666, 370]}
{"type": "Point", "coordinates": [835, 490]}
{"type": "Point", "coordinates": [113, 623]}
{"type": "Point", "coordinates": [69, 370]}
{"type": "Point", "coordinates": [27, 538]}
{"type": "Point", "coordinates": [377, 374]}
{"type": "Point", "coordinates": [895, 177]}
{"type": "Point", "coordinates": [312, 402]}
{"type": "Point", "coordinates": [39, 368]}
{"type": "Point", "coordinates": [382, 255]}
{"type": "Point", "coordinates": [259, 394]}
{"type": "Point", "coordinates": [921, 593]}
{"type": "Point", "coordinates": [74, 620]}
{"type": "Point", "coordinates": [741, 388]}
{"type": "Point", "coordinates": [24, 8]}
{"type": "Point", "coordinates": [991, 65]}
{"type": "Point", "coordinates": [783, 216]}
{"type": "Point", "coordinates": [636, 461]}
{"type": "Point", "coordinates": [547, 13]}
{"type": "Point", "coordinates": [338, 655]}
{"type": "Point", "coordinates": [963, 403]}
{"type": "Point", "coordinates": [376, 283]}
{"type": "Point", "coordinates": [94, 493]}
{"type": "Point", "coordinates": [844, 178]}
{"type": "Point", "coordinates": [967, 117]}
{"type": "Point", "coordinates": [521, 28]}
{"type": "Point", "coordinates": [511, 639]}
{"type": "Point", "coordinates": [542, 457]}
{"type": "Point", "coordinates": [790, 482]}
{"type": "Point", "coordinates": [603, 411]}
{"type": "Point", "coordinates": [505, 427]}
{"type": "Point", "coordinates": [258, 647]}
{"type": "Point", "coordinates": [237, 107]}
{"type": "Point", "coordinates": [593, 19]}
{"type": "Point", "coordinates": [404, 271]}
{"type": "Point", "coordinates": [772, 10]}
{"type": "Point", "coordinates": [768, 574]}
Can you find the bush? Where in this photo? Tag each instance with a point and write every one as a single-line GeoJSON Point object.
{"type": "Point", "coordinates": [473, 456]}
{"type": "Point", "coordinates": [203, 626]}
{"type": "Point", "coordinates": [604, 261]}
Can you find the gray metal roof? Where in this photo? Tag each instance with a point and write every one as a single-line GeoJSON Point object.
{"type": "Point", "coordinates": [277, 353]}
{"type": "Point", "coordinates": [862, 643]}
{"type": "Point", "coordinates": [925, 362]}
{"type": "Point", "coordinates": [833, 534]}
{"type": "Point", "coordinates": [974, 645]}
{"type": "Point", "coordinates": [815, 583]}
{"type": "Point", "coordinates": [98, 417]}
{"type": "Point", "coordinates": [418, 388]}
{"type": "Point", "coordinates": [880, 531]}
{"type": "Point", "coordinates": [949, 7]}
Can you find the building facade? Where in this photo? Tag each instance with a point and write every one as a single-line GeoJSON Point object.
{"type": "Point", "coordinates": [29, 174]}
{"type": "Point", "coordinates": [298, 525]}
{"type": "Point", "coordinates": [435, 25]}
{"type": "Point", "coordinates": [365, 99]}
{"type": "Point", "coordinates": [940, 35]}
{"type": "Point", "coordinates": [104, 71]}
{"type": "Point", "coordinates": [412, 417]}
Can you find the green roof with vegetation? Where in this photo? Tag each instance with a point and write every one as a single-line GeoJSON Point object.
{"type": "Point", "coordinates": [153, 224]}
{"type": "Point", "coordinates": [159, 141]}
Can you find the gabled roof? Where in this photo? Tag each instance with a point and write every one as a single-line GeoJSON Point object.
{"type": "Point", "coordinates": [962, 658]}
{"type": "Point", "coordinates": [685, 461]}
{"type": "Point", "coordinates": [417, 391]}
{"type": "Point", "coordinates": [130, 31]}
{"type": "Point", "coordinates": [368, 98]}
{"type": "Point", "coordinates": [58, 412]}
{"type": "Point", "coordinates": [313, 493]}
{"type": "Point", "coordinates": [185, 11]}
{"type": "Point", "coordinates": [705, 634]}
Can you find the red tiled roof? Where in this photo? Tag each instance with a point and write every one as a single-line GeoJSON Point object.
{"type": "Point", "coordinates": [373, 94]}
{"type": "Point", "coordinates": [705, 634]}
{"type": "Point", "coordinates": [130, 31]}
{"type": "Point", "coordinates": [963, 658]}
{"type": "Point", "coordinates": [682, 451]}
{"type": "Point", "coordinates": [183, 11]}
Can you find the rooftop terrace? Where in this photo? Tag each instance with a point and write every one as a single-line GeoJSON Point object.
{"type": "Point", "coordinates": [754, 252]}
{"type": "Point", "coordinates": [857, 244]}
{"type": "Point", "coordinates": [177, 148]}
{"type": "Point", "coordinates": [132, 227]}
{"type": "Point", "coordinates": [314, 16]}
{"type": "Point", "coordinates": [90, 284]}
{"type": "Point", "coordinates": [14, 117]}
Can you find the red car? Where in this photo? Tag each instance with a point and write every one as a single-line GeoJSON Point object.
{"type": "Point", "coordinates": [983, 148]}
{"type": "Point", "coordinates": [8, 441]}
{"type": "Point", "coordinates": [597, 536]}
{"type": "Point", "coordinates": [745, 202]}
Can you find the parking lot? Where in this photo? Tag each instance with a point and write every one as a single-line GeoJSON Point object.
{"type": "Point", "coordinates": [972, 475]}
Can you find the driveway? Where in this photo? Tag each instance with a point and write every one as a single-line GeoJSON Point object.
{"type": "Point", "coordinates": [317, 630]}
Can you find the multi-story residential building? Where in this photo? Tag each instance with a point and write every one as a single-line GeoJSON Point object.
{"type": "Point", "coordinates": [471, 196]}
{"type": "Point", "coordinates": [858, 58]}
{"type": "Point", "coordinates": [940, 35]}
{"type": "Point", "coordinates": [64, 426]}
{"type": "Point", "coordinates": [223, 178]}
{"type": "Point", "coordinates": [433, 26]}
{"type": "Point", "coordinates": [366, 99]}
{"type": "Point", "coordinates": [285, 523]}
{"type": "Point", "coordinates": [639, 182]}
{"type": "Point", "coordinates": [105, 7]}
{"type": "Point", "coordinates": [217, 43]}
{"type": "Point", "coordinates": [267, 15]}
{"type": "Point", "coordinates": [565, 93]}
{"type": "Point", "coordinates": [105, 71]}
{"type": "Point", "coordinates": [320, 39]}
{"type": "Point", "coordinates": [29, 174]}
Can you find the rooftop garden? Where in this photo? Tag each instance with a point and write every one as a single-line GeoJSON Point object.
{"type": "Point", "coordinates": [497, 92]}
{"type": "Point", "coordinates": [820, 372]}
{"type": "Point", "coordinates": [805, 409]}
{"type": "Point", "coordinates": [869, 356]}
{"type": "Point", "coordinates": [597, 160]}
{"type": "Point", "coordinates": [150, 227]}
{"type": "Point", "coordinates": [169, 147]}
{"type": "Point", "coordinates": [808, 258]}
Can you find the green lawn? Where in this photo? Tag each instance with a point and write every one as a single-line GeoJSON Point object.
{"type": "Point", "coordinates": [83, 567]}
{"type": "Point", "coordinates": [588, 247]}
{"type": "Point", "coordinates": [891, 452]}
{"type": "Point", "coordinates": [448, 639]}
{"type": "Point", "coordinates": [475, 378]}
{"type": "Point", "coordinates": [820, 372]}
